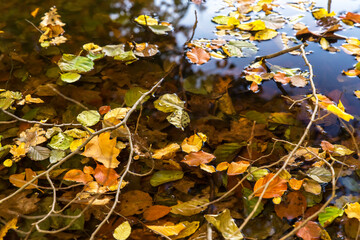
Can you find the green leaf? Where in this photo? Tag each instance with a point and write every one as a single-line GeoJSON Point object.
{"type": "Point", "coordinates": [227, 151]}
{"type": "Point", "coordinates": [70, 77]}
{"type": "Point", "coordinates": [191, 84]}
{"type": "Point", "coordinates": [320, 174]}
{"type": "Point", "coordinates": [329, 214]}
{"type": "Point", "coordinates": [78, 224]}
{"type": "Point", "coordinates": [257, 173]}
{"type": "Point", "coordinates": [133, 94]}
{"type": "Point", "coordinates": [165, 176]}
{"type": "Point", "coordinates": [122, 231]}
{"type": "Point", "coordinates": [38, 153]}
{"type": "Point", "coordinates": [189, 208]}
{"type": "Point", "coordinates": [225, 224]}
{"type": "Point", "coordinates": [249, 204]}
{"type": "Point", "coordinates": [60, 141]}
{"type": "Point", "coordinates": [88, 118]}
{"type": "Point", "coordinates": [113, 50]}
{"type": "Point", "coordinates": [56, 155]}
{"type": "Point", "coordinates": [169, 103]}
{"type": "Point", "coordinates": [179, 118]}
{"type": "Point", "coordinates": [73, 63]}
{"type": "Point", "coordinates": [257, 116]}
{"type": "Point", "coordinates": [288, 71]}
{"type": "Point", "coordinates": [282, 118]}
{"type": "Point", "coordinates": [127, 57]}
{"type": "Point", "coordinates": [247, 48]}
{"type": "Point", "coordinates": [160, 29]}
{"type": "Point", "coordinates": [190, 228]}
{"type": "Point", "coordinates": [233, 51]}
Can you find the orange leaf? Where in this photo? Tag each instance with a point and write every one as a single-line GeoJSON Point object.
{"type": "Point", "coordinates": [295, 184]}
{"type": "Point", "coordinates": [103, 149]}
{"type": "Point", "coordinates": [105, 176]}
{"type": "Point", "coordinates": [207, 168]}
{"type": "Point", "coordinates": [281, 78]}
{"type": "Point", "coordinates": [222, 166]}
{"type": "Point", "coordinates": [236, 168]}
{"type": "Point", "coordinates": [276, 187]}
{"type": "Point", "coordinates": [254, 87]}
{"type": "Point", "coordinates": [352, 17]}
{"type": "Point", "coordinates": [155, 212]}
{"type": "Point", "coordinates": [19, 180]}
{"type": "Point", "coordinates": [78, 176]}
{"type": "Point", "coordinates": [88, 170]}
{"type": "Point", "coordinates": [311, 231]}
{"type": "Point", "coordinates": [196, 158]}
{"type": "Point", "coordinates": [198, 55]}
{"type": "Point", "coordinates": [352, 72]}
{"type": "Point", "coordinates": [104, 109]}
{"type": "Point", "coordinates": [326, 146]}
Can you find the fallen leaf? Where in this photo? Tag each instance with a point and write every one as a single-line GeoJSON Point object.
{"type": "Point", "coordinates": [198, 55]}
{"type": "Point", "coordinates": [311, 231]}
{"type": "Point", "coordinates": [146, 20]}
{"type": "Point", "coordinates": [193, 143]}
{"type": "Point", "coordinates": [340, 113]}
{"type": "Point", "coordinates": [295, 184]}
{"type": "Point", "coordinates": [105, 176]}
{"type": "Point", "coordinates": [134, 202]}
{"type": "Point", "coordinates": [190, 208]}
{"type": "Point", "coordinates": [78, 176]}
{"type": "Point", "coordinates": [353, 210]}
{"type": "Point", "coordinates": [326, 146]}
{"type": "Point", "coordinates": [155, 212]}
{"type": "Point", "coordinates": [236, 168]}
{"type": "Point", "coordinates": [276, 188]}
{"type": "Point", "coordinates": [19, 180]}
{"type": "Point", "coordinates": [167, 229]}
{"type": "Point", "coordinates": [103, 149]}
{"type": "Point", "coordinates": [207, 168]}
{"type": "Point", "coordinates": [225, 224]}
{"type": "Point", "coordinates": [321, 13]}
{"type": "Point", "coordinates": [122, 231]}
{"type": "Point", "coordinates": [9, 225]}
{"type": "Point", "coordinates": [194, 159]}
{"type": "Point", "coordinates": [329, 214]}
{"type": "Point", "coordinates": [354, 17]}
{"type": "Point", "coordinates": [292, 206]}
{"type": "Point", "coordinates": [165, 176]}
{"type": "Point", "coordinates": [167, 152]}
{"type": "Point", "coordinates": [312, 186]}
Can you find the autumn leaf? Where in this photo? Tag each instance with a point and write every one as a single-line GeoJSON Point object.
{"type": "Point", "coordinates": [146, 20]}
{"type": "Point", "coordinates": [321, 12]}
{"type": "Point", "coordinates": [78, 176]}
{"type": "Point", "coordinates": [169, 229]}
{"type": "Point", "coordinates": [311, 231]}
{"type": "Point", "coordinates": [265, 34]}
{"type": "Point", "coordinates": [9, 225]}
{"type": "Point", "coordinates": [295, 184]}
{"type": "Point", "coordinates": [353, 210]}
{"type": "Point", "coordinates": [122, 231]}
{"type": "Point", "coordinates": [236, 168]}
{"type": "Point", "coordinates": [194, 159]}
{"type": "Point", "coordinates": [225, 224]}
{"type": "Point", "coordinates": [198, 55]}
{"type": "Point", "coordinates": [103, 149]}
{"type": "Point", "coordinates": [193, 143]}
{"type": "Point", "coordinates": [276, 188]}
{"type": "Point", "coordinates": [155, 212]}
{"type": "Point", "coordinates": [326, 146]}
{"type": "Point", "coordinates": [167, 152]}
{"type": "Point", "coordinates": [292, 206]}
{"type": "Point", "coordinates": [256, 25]}
{"type": "Point", "coordinates": [21, 179]}
{"type": "Point", "coordinates": [339, 112]}
{"type": "Point", "coordinates": [134, 202]}
{"type": "Point", "coordinates": [354, 17]}
{"type": "Point", "coordinates": [105, 176]}
{"type": "Point", "coordinates": [207, 168]}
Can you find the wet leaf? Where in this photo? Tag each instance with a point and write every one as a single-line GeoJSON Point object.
{"type": "Point", "coordinates": [190, 208]}
{"type": "Point", "coordinates": [225, 20]}
{"type": "Point", "coordinates": [60, 141]}
{"type": "Point", "coordinates": [103, 149]}
{"type": "Point", "coordinates": [256, 25]}
{"type": "Point", "coordinates": [198, 55]}
{"type": "Point", "coordinates": [165, 176]}
{"type": "Point", "coordinates": [351, 49]}
{"type": "Point", "coordinates": [169, 103]}
{"type": "Point", "coordinates": [145, 49]}
{"type": "Point", "coordinates": [114, 50]}
{"type": "Point", "coordinates": [179, 118]}
{"type": "Point", "coordinates": [134, 202]}
{"type": "Point", "coordinates": [207, 168]}
{"type": "Point", "coordinates": [273, 21]}
{"type": "Point", "coordinates": [160, 29]}
{"type": "Point", "coordinates": [167, 152]}
{"type": "Point", "coordinates": [225, 224]}
{"type": "Point", "coordinates": [9, 225]}
{"type": "Point", "coordinates": [265, 34]}
{"type": "Point", "coordinates": [236, 168]}
{"type": "Point", "coordinates": [227, 151]}
{"type": "Point", "coordinates": [190, 228]}
{"type": "Point", "coordinates": [168, 230]}
{"type": "Point", "coordinates": [133, 94]}
{"type": "Point", "coordinates": [256, 173]}
{"type": "Point", "coordinates": [353, 210]}
{"type": "Point", "coordinates": [246, 48]}
{"type": "Point", "coordinates": [249, 204]}
{"type": "Point", "coordinates": [312, 186]}
{"type": "Point", "coordinates": [320, 174]}
{"type": "Point", "coordinates": [354, 17]}
{"type": "Point", "coordinates": [155, 212]}
{"type": "Point", "coordinates": [88, 118]}
{"type": "Point", "coordinates": [122, 231]}
{"type": "Point", "coordinates": [77, 64]}
{"type": "Point", "coordinates": [340, 150]}
{"type": "Point", "coordinates": [78, 176]}
{"type": "Point", "coordinates": [70, 77]}
{"type": "Point", "coordinates": [321, 13]}
{"type": "Point", "coordinates": [105, 176]}
{"type": "Point", "coordinates": [295, 184]}
{"type": "Point", "coordinates": [19, 180]}
{"type": "Point", "coordinates": [311, 231]}
{"type": "Point", "coordinates": [329, 214]}
{"type": "Point", "coordinates": [146, 20]}
{"type": "Point", "coordinates": [193, 143]}
{"type": "Point", "coordinates": [276, 187]}
{"type": "Point", "coordinates": [298, 81]}
{"type": "Point", "coordinates": [196, 158]}
{"type": "Point", "coordinates": [292, 206]}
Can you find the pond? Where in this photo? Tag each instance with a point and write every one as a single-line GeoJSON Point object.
{"type": "Point", "coordinates": [252, 110]}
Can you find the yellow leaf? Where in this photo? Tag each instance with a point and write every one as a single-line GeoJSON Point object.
{"type": "Point", "coordinates": [321, 12]}
{"type": "Point", "coordinates": [9, 225]}
{"type": "Point", "coordinates": [166, 152]}
{"type": "Point", "coordinates": [115, 115]}
{"type": "Point", "coordinates": [103, 149]}
{"type": "Point", "coordinates": [207, 168]}
{"type": "Point", "coordinates": [351, 49]}
{"type": "Point", "coordinates": [76, 143]}
{"type": "Point", "coordinates": [357, 93]}
{"type": "Point", "coordinates": [222, 166]}
{"type": "Point", "coordinates": [276, 200]}
{"type": "Point", "coordinates": [8, 163]}
{"type": "Point", "coordinates": [18, 151]}
{"type": "Point", "coordinates": [193, 143]}
{"type": "Point", "coordinates": [115, 187]}
{"type": "Point", "coordinates": [122, 231]}
{"type": "Point", "coordinates": [253, 78]}
{"type": "Point", "coordinates": [35, 12]}
{"type": "Point", "coordinates": [92, 47]}
{"type": "Point", "coordinates": [256, 25]}
{"type": "Point", "coordinates": [295, 184]}
{"type": "Point", "coordinates": [338, 112]}
{"type": "Point", "coordinates": [353, 210]}
{"type": "Point", "coordinates": [146, 20]}
{"type": "Point", "coordinates": [353, 41]}
{"type": "Point", "coordinates": [324, 43]}
{"type": "Point", "coordinates": [168, 230]}
{"type": "Point", "coordinates": [341, 106]}
{"type": "Point", "coordinates": [284, 174]}
{"type": "Point", "coordinates": [236, 168]}
{"type": "Point", "coordinates": [265, 34]}
{"type": "Point", "coordinates": [217, 55]}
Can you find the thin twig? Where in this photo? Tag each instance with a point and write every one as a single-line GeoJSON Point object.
{"type": "Point", "coordinates": [273, 55]}
{"type": "Point", "coordinates": [67, 98]}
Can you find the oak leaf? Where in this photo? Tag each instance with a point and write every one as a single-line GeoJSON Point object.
{"type": "Point", "coordinates": [103, 149]}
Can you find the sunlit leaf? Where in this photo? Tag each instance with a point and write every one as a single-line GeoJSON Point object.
{"type": "Point", "coordinates": [70, 77]}
{"type": "Point", "coordinates": [190, 228]}
{"type": "Point", "coordinates": [103, 149]}
{"type": "Point", "coordinates": [351, 49]}
{"type": "Point", "coordinates": [265, 34]}
{"type": "Point", "coordinates": [225, 224]}
{"type": "Point", "coordinates": [340, 150]}
{"type": "Point", "coordinates": [320, 174]}
{"type": "Point", "coordinates": [322, 12]}
{"type": "Point", "coordinates": [160, 29]}
{"type": "Point", "coordinates": [105, 176]}
{"type": "Point", "coordinates": [168, 230]}
{"type": "Point", "coordinates": [77, 64]}
{"type": "Point", "coordinates": [198, 55]}
{"type": "Point", "coordinates": [276, 188]}
{"type": "Point", "coordinates": [225, 20]}
{"type": "Point", "coordinates": [193, 143]}
{"type": "Point", "coordinates": [169, 103]}
{"type": "Point", "coordinates": [78, 176]}
{"type": "Point", "coordinates": [190, 208]}
{"type": "Point", "coordinates": [256, 173]}
{"type": "Point", "coordinates": [295, 184]}
{"type": "Point", "coordinates": [88, 118]}
{"type": "Point", "coordinates": [146, 20]}
{"type": "Point", "coordinates": [236, 168]}
{"type": "Point", "coordinates": [179, 118]}
{"type": "Point", "coordinates": [256, 25]}
{"type": "Point", "coordinates": [9, 225]}
{"type": "Point", "coordinates": [122, 231]}
{"type": "Point", "coordinates": [353, 210]}
{"type": "Point", "coordinates": [329, 214]}
{"type": "Point", "coordinates": [354, 17]}
{"type": "Point", "coordinates": [61, 141]}
{"type": "Point", "coordinates": [114, 50]}
{"type": "Point", "coordinates": [167, 152]}
{"type": "Point", "coordinates": [312, 186]}
{"type": "Point", "coordinates": [165, 176]}
{"type": "Point", "coordinates": [340, 113]}
{"type": "Point", "coordinates": [56, 155]}
{"type": "Point", "coordinates": [207, 168]}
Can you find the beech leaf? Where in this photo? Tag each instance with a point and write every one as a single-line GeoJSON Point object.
{"type": "Point", "coordinates": [198, 55]}
{"type": "Point", "coordinates": [122, 231]}
{"type": "Point", "coordinates": [225, 224]}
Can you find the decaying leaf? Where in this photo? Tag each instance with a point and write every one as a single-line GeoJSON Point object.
{"type": "Point", "coordinates": [168, 230]}
{"type": "Point", "coordinates": [311, 231]}
{"type": "Point", "coordinates": [134, 202]}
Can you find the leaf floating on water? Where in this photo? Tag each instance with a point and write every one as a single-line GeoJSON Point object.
{"type": "Point", "coordinates": [321, 13]}
{"type": "Point", "coordinates": [169, 103]}
{"type": "Point", "coordinates": [146, 20]}
{"type": "Point", "coordinates": [198, 55]}
{"type": "Point", "coordinates": [88, 118]}
{"type": "Point", "coordinates": [265, 34]}
{"type": "Point", "coordinates": [193, 143]}
{"type": "Point", "coordinates": [236, 168]}
{"type": "Point", "coordinates": [77, 64]}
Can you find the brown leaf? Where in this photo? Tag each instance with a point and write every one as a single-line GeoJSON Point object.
{"type": "Point", "coordinates": [103, 149]}
{"type": "Point", "coordinates": [21, 179]}
{"type": "Point", "coordinates": [292, 207]}
{"type": "Point", "coordinates": [276, 187]}
{"type": "Point", "coordinates": [326, 146]}
{"type": "Point", "coordinates": [78, 176]}
{"type": "Point", "coordinates": [298, 81]}
{"type": "Point", "coordinates": [311, 231]}
{"type": "Point", "coordinates": [105, 176]}
{"type": "Point", "coordinates": [196, 158]}
{"type": "Point", "coordinates": [155, 212]}
{"type": "Point", "coordinates": [198, 55]}
{"type": "Point", "coordinates": [281, 78]}
{"type": "Point", "coordinates": [134, 202]}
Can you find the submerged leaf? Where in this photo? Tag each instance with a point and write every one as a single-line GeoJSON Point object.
{"type": "Point", "coordinates": [165, 176]}
{"type": "Point", "coordinates": [190, 208]}
{"type": "Point", "coordinates": [77, 64]}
